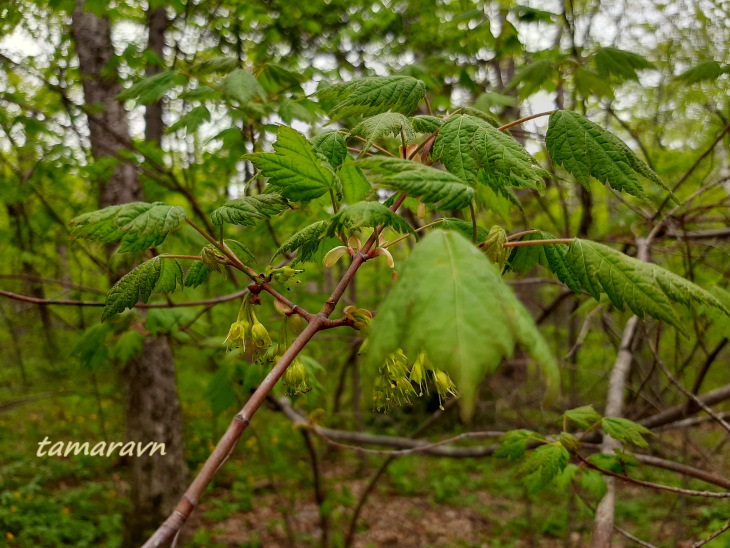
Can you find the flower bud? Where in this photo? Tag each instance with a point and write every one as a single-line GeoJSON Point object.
{"type": "Point", "coordinates": [260, 336]}
{"type": "Point", "coordinates": [444, 386]}
{"type": "Point", "coordinates": [237, 335]}
{"type": "Point", "coordinates": [295, 379]}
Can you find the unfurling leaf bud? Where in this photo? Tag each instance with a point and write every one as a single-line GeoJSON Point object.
{"type": "Point", "coordinates": [214, 259]}
{"type": "Point", "coordinates": [493, 246]}
{"type": "Point", "coordinates": [334, 255]}
{"type": "Point", "coordinates": [359, 317]}
{"type": "Point", "coordinates": [381, 251]}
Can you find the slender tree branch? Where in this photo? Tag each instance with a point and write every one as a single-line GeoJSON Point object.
{"type": "Point", "coordinates": [525, 119]}
{"type": "Point", "coordinates": [657, 486]}
{"type": "Point", "coordinates": [539, 242]}
{"type": "Point", "coordinates": [713, 536]}
{"type": "Point", "coordinates": [706, 408]}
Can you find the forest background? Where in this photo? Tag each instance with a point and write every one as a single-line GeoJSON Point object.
{"type": "Point", "coordinates": [209, 82]}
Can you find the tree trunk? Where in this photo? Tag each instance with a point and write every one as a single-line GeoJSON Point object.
{"type": "Point", "coordinates": [153, 408]}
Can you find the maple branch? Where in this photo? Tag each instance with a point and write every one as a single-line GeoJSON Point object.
{"type": "Point", "coordinates": [525, 119]}
{"type": "Point", "coordinates": [227, 444]}
{"type": "Point", "coordinates": [539, 242]}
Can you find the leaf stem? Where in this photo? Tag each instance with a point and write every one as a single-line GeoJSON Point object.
{"type": "Point", "coordinates": [186, 257]}
{"type": "Point", "coordinates": [475, 230]}
{"type": "Point", "coordinates": [520, 234]}
{"type": "Point", "coordinates": [539, 242]}
{"type": "Point", "coordinates": [334, 201]}
{"type": "Point", "coordinates": [525, 119]}
{"type": "Point", "coordinates": [236, 262]}
{"type": "Point", "coordinates": [401, 238]}
{"type": "Point", "coordinates": [375, 146]}
{"type": "Point", "coordinates": [423, 144]}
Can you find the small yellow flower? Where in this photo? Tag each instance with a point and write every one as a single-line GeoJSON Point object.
{"type": "Point", "coordinates": [444, 386]}
{"type": "Point", "coordinates": [13, 509]}
{"type": "Point", "coordinates": [9, 535]}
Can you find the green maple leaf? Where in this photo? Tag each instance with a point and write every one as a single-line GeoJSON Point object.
{"type": "Point", "coordinates": [451, 303]}
{"type": "Point", "coordinates": [587, 150]}
{"type": "Point", "coordinates": [250, 209]}
{"type": "Point", "coordinates": [306, 242]}
{"type": "Point", "coordinates": [645, 288]}
{"type": "Point", "coordinates": [331, 145]}
{"type": "Point", "coordinates": [468, 145]}
{"type": "Point", "coordinates": [375, 95]}
{"type": "Point", "coordinates": [158, 275]}
{"type": "Point", "coordinates": [196, 274]}
{"type": "Point", "coordinates": [366, 214]}
{"type": "Point", "coordinates": [242, 86]}
{"type": "Point", "coordinates": [584, 416]}
{"type": "Point", "coordinates": [295, 169]}
{"type": "Point", "coordinates": [431, 185]}
{"type": "Point", "coordinates": [625, 431]}
{"type": "Point", "coordinates": [619, 64]}
{"type": "Point", "coordinates": [138, 225]}
{"type": "Point", "coordinates": [388, 123]}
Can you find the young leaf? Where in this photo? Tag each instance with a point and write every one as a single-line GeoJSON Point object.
{"type": "Point", "coordinates": [551, 256]}
{"type": "Point", "coordinates": [584, 416]}
{"type": "Point", "coordinates": [366, 214]}
{"type": "Point", "coordinates": [513, 444]}
{"type": "Point", "coordinates": [619, 64]}
{"type": "Point", "coordinates": [466, 145]}
{"type": "Point", "coordinates": [139, 225]}
{"type": "Point", "coordinates": [451, 303]}
{"type": "Point", "coordinates": [246, 211]}
{"type": "Point", "coordinates": [504, 159]}
{"type": "Point", "coordinates": [625, 431]}
{"type": "Point", "coordinates": [152, 89]}
{"type": "Point", "coordinates": [192, 120]}
{"type": "Point", "coordinates": [454, 145]}
{"type": "Point", "coordinates": [216, 64]}
{"type": "Point", "coordinates": [295, 168]}
{"type": "Point", "coordinates": [547, 461]}
{"type": "Point", "coordinates": [355, 187]}
{"type": "Point", "coordinates": [431, 185]}
{"type": "Point", "coordinates": [380, 125]}
{"type": "Point", "coordinates": [426, 124]}
{"type": "Point", "coordinates": [540, 74]}
{"type": "Point", "coordinates": [587, 150]}
{"type": "Point", "coordinates": [306, 241]}
{"type": "Point", "coordinates": [242, 86]}
{"type": "Point", "coordinates": [129, 345]}
{"type": "Point", "coordinates": [331, 145]}
{"type": "Point", "coordinates": [707, 70]}
{"type": "Point", "coordinates": [239, 249]}
{"type": "Point", "coordinates": [375, 95]}
{"type": "Point", "coordinates": [91, 349]}
{"type": "Point", "coordinates": [464, 228]}
{"type": "Point", "coordinates": [157, 275]}
{"type": "Point", "coordinates": [645, 288]}
{"type": "Point", "coordinates": [196, 274]}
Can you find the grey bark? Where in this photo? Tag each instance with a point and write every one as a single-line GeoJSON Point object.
{"type": "Point", "coordinates": [604, 519]}
{"type": "Point", "coordinates": [153, 408]}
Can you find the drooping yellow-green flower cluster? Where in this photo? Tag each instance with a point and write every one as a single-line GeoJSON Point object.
{"type": "Point", "coordinates": [395, 382]}
{"type": "Point", "coordinates": [295, 379]}
{"type": "Point", "coordinates": [248, 332]}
